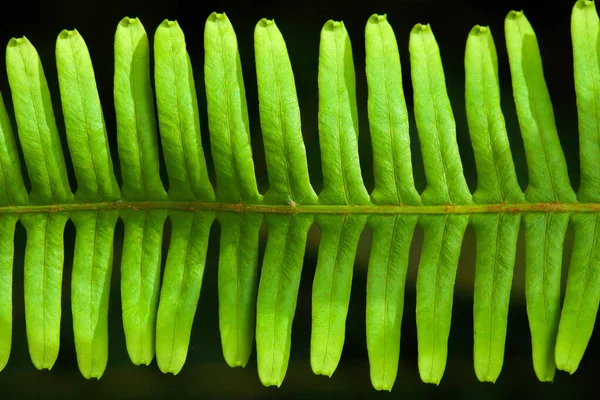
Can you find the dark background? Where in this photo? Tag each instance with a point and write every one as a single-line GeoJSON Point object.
{"type": "Point", "coordinates": [205, 374]}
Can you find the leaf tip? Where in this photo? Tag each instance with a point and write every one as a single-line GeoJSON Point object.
{"type": "Point", "coordinates": [514, 15]}
{"type": "Point", "coordinates": [65, 34]}
{"type": "Point", "coordinates": [584, 3]}
{"type": "Point", "coordinates": [421, 28]}
{"type": "Point", "coordinates": [378, 18]}
{"type": "Point", "coordinates": [217, 16]}
{"type": "Point", "coordinates": [332, 25]}
{"type": "Point", "coordinates": [128, 21]}
{"type": "Point", "coordinates": [16, 42]}
{"type": "Point", "coordinates": [167, 23]}
{"type": "Point", "coordinates": [266, 23]}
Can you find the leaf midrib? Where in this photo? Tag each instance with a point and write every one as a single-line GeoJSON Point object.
{"type": "Point", "coordinates": [444, 209]}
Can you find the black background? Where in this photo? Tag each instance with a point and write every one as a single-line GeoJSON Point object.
{"type": "Point", "coordinates": [205, 374]}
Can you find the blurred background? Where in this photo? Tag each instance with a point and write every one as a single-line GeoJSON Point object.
{"type": "Point", "coordinates": [205, 374]}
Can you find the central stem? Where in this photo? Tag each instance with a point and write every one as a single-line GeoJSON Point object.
{"type": "Point", "coordinates": [308, 209]}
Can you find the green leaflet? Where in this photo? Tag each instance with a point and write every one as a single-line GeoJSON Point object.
{"type": "Point", "coordinates": [140, 281]}
{"type": "Point", "coordinates": [582, 294]}
{"type": "Point", "coordinates": [39, 135]}
{"type": "Point", "coordinates": [84, 121]}
{"type": "Point", "coordinates": [331, 289]}
{"type": "Point", "coordinates": [548, 181]}
{"type": "Point", "coordinates": [280, 120]}
{"type": "Point", "coordinates": [338, 119]}
{"type": "Point", "coordinates": [445, 185]}
{"type": "Point", "coordinates": [188, 180]}
{"type": "Point", "coordinates": [435, 287]}
{"type": "Point", "coordinates": [92, 265]}
{"type": "Point", "coordinates": [586, 65]}
{"type": "Point", "coordinates": [237, 282]}
{"type": "Point", "coordinates": [44, 250]}
{"type": "Point", "coordinates": [394, 184]}
{"type": "Point", "coordinates": [548, 178]}
{"type": "Point", "coordinates": [13, 192]}
{"type": "Point", "coordinates": [277, 294]}
{"type": "Point", "coordinates": [386, 278]}
{"type": "Point", "coordinates": [435, 122]}
{"type": "Point", "coordinates": [583, 285]}
{"type": "Point", "coordinates": [181, 287]}
{"type": "Point", "coordinates": [388, 117]}
{"type": "Point", "coordinates": [228, 114]}
{"type": "Point", "coordinates": [7, 231]}
{"type": "Point", "coordinates": [11, 180]}
{"type": "Point", "coordinates": [544, 238]}
{"type": "Point", "coordinates": [236, 183]}
{"type": "Point", "coordinates": [178, 116]}
{"type": "Point", "coordinates": [486, 123]}
{"type": "Point", "coordinates": [289, 184]}
{"type": "Point", "coordinates": [343, 184]}
{"type": "Point", "coordinates": [134, 107]}
{"type": "Point", "coordinates": [44, 256]}
{"type": "Point", "coordinates": [90, 288]}
{"type": "Point", "coordinates": [138, 154]}
{"type": "Point", "coordinates": [496, 235]}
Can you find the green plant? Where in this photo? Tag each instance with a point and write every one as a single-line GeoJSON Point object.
{"type": "Point", "coordinates": [157, 317]}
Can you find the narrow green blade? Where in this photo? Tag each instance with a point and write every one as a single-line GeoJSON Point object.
{"type": "Point", "coordinates": [44, 256]}
{"type": "Point", "coordinates": [385, 295]}
{"type": "Point", "coordinates": [496, 176]}
{"type": "Point", "coordinates": [586, 64]}
{"type": "Point", "coordinates": [140, 281]}
{"type": "Point", "coordinates": [445, 185]}
{"type": "Point", "coordinates": [7, 249]}
{"type": "Point", "coordinates": [582, 294]}
{"type": "Point", "coordinates": [331, 289]}
{"type": "Point", "coordinates": [583, 284]}
{"type": "Point", "coordinates": [548, 182]}
{"type": "Point", "coordinates": [496, 240]}
{"type": "Point", "coordinates": [181, 287]}
{"type": "Point", "coordinates": [228, 114]}
{"type": "Point", "coordinates": [84, 121]}
{"type": "Point", "coordinates": [496, 235]}
{"type": "Point", "coordinates": [12, 192]}
{"type": "Point", "coordinates": [90, 288]}
{"type": "Point", "coordinates": [544, 240]}
{"type": "Point", "coordinates": [338, 119]}
{"type": "Point", "coordinates": [442, 242]}
{"type": "Point", "coordinates": [178, 116]}
{"type": "Point", "coordinates": [548, 177]}
{"type": "Point", "coordinates": [388, 117]}
{"type": "Point", "coordinates": [280, 119]}
{"type": "Point", "coordinates": [278, 293]}
{"type": "Point", "coordinates": [435, 122]}
{"type": "Point", "coordinates": [136, 121]}
{"type": "Point", "coordinates": [343, 184]}
{"type": "Point", "coordinates": [238, 278]}
{"type": "Point", "coordinates": [38, 134]}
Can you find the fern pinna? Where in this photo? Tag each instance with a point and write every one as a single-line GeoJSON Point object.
{"type": "Point", "coordinates": [158, 311]}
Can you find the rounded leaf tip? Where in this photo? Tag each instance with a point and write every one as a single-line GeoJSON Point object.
{"type": "Point", "coordinates": [265, 23]}
{"type": "Point", "coordinates": [332, 25]}
{"type": "Point", "coordinates": [217, 16]}
{"type": "Point", "coordinates": [66, 34]}
{"type": "Point", "coordinates": [16, 42]}
{"type": "Point", "coordinates": [129, 21]}
{"type": "Point", "coordinates": [418, 28]}
{"type": "Point", "coordinates": [170, 23]}
{"type": "Point", "coordinates": [515, 14]}
{"type": "Point", "coordinates": [585, 3]}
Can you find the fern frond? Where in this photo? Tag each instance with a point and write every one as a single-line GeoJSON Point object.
{"type": "Point", "coordinates": [158, 311]}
